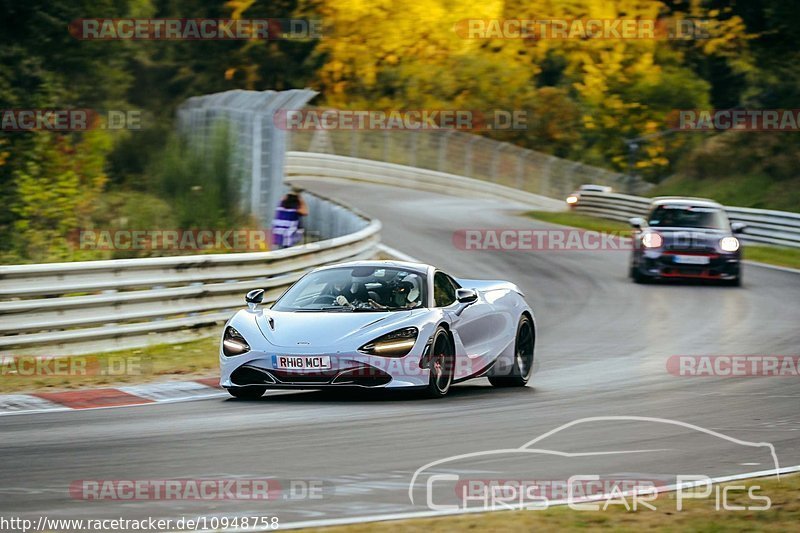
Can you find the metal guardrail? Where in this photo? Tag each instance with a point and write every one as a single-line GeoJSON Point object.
{"type": "Point", "coordinates": [320, 165]}
{"type": "Point", "coordinates": [83, 307]}
{"type": "Point", "coordinates": [763, 226]}
{"type": "Point", "coordinates": [464, 154]}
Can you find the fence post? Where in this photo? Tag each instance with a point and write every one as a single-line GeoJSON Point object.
{"type": "Point", "coordinates": [255, 171]}
{"type": "Point", "coordinates": [468, 156]}
{"type": "Point", "coordinates": [440, 162]}
{"type": "Point", "coordinates": [495, 159]}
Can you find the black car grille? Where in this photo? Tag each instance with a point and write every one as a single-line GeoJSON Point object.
{"type": "Point", "coordinates": [696, 248]}
{"type": "Point", "coordinates": [309, 377]}
{"type": "Point", "coordinates": [249, 375]}
{"type": "Point", "coordinates": [363, 376]}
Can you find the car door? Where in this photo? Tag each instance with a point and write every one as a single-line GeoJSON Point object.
{"type": "Point", "coordinates": [470, 328]}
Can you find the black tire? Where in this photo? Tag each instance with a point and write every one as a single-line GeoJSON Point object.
{"type": "Point", "coordinates": [247, 393]}
{"type": "Point", "coordinates": [441, 363]}
{"type": "Point", "coordinates": [521, 371]}
{"type": "Point", "coordinates": [638, 277]}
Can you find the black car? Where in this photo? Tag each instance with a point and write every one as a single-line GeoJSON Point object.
{"type": "Point", "coordinates": [689, 238]}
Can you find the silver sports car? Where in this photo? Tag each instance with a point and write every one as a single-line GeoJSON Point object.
{"type": "Point", "coordinates": [379, 324]}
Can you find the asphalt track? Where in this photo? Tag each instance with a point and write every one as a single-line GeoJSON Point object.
{"type": "Point", "coordinates": [602, 348]}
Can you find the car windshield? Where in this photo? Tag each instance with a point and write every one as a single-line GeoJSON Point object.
{"type": "Point", "coordinates": [686, 216]}
{"type": "Point", "coordinates": [361, 288]}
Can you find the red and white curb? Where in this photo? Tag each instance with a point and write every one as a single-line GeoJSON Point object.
{"type": "Point", "coordinates": [124, 396]}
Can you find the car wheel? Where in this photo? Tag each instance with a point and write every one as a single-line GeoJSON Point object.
{"type": "Point", "coordinates": [522, 369]}
{"type": "Point", "coordinates": [247, 393]}
{"type": "Point", "coordinates": [441, 365]}
{"type": "Point", "coordinates": [638, 277]}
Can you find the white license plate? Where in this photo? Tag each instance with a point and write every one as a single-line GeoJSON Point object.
{"type": "Point", "coordinates": [301, 362]}
{"type": "Point", "coordinates": [691, 259]}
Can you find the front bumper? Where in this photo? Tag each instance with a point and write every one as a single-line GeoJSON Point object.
{"type": "Point", "coordinates": [347, 370]}
{"type": "Point", "coordinates": [663, 264]}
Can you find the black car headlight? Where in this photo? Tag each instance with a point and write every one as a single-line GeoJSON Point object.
{"type": "Point", "coordinates": [395, 344]}
{"type": "Point", "coordinates": [233, 343]}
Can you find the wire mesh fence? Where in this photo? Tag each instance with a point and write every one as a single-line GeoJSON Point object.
{"type": "Point", "coordinates": [259, 143]}
{"type": "Point", "coordinates": [465, 154]}
{"type": "Point", "coordinates": [257, 146]}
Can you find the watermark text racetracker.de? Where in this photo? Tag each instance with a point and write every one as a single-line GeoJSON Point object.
{"type": "Point", "coordinates": [400, 119]}
{"type": "Point", "coordinates": [536, 240]}
{"type": "Point", "coordinates": [239, 239]}
{"type": "Point", "coordinates": [31, 366]}
{"type": "Point", "coordinates": [583, 29]}
{"type": "Point", "coordinates": [200, 489]}
{"type": "Point", "coordinates": [193, 29]}
{"type": "Point", "coordinates": [66, 120]}
{"type": "Point", "coordinates": [754, 120]}
{"type": "Point", "coordinates": [734, 366]}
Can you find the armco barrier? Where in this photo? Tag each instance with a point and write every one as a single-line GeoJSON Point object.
{"type": "Point", "coordinates": [81, 307]}
{"type": "Point", "coordinates": [763, 226]}
{"type": "Point", "coordinates": [317, 165]}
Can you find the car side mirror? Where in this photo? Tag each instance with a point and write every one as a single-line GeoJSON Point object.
{"type": "Point", "coordinates": [466, 296]}
{"type": "Point", "coordinates": [254, 298]}
{"type": "Point", "coordinates": [636, 222]}
{"type": "Point", "coordinates": [738, 227]}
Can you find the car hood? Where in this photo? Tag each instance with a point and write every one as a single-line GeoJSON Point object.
{"type": "Point", "coordinates": [292, 329]}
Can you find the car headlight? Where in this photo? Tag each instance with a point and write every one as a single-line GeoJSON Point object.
{"type": "Point", "coordinates": [729, 244]}
{"type": "Point", "coordinates": [395, 344]}
{"type": "Point", "coordinates": [652, 240]}
{"type": "Point", "coordinates": [233, 343]}
{"type": "Point", "coordinates": [572, 199]}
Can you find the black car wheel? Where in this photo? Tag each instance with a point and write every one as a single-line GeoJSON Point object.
{"type": "Point", "coordinates": [522, 369]}
{"type": "Point", "coordinates": [441, 365]}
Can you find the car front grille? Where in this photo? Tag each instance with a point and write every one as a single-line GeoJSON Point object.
{"type": "Point", "coordinates": [362, 376]}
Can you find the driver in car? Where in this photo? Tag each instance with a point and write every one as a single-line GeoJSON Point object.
{"type": "Point", "coordinates": [406, 294]}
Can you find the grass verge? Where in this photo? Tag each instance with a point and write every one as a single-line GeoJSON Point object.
{"type": "Point", "coordinates": [153, 363]}
{"type": "Point", "coordinates": [578, 220]}
{"type": "Point", "coordinates": [772, 255]}
{"type": "Point", "coordinates": [759, 191]}
{"type": "Point", "coordinates": [696, 515]}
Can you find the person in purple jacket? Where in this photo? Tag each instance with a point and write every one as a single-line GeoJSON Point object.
{"type": "Point", "coordinates": [287, 224]}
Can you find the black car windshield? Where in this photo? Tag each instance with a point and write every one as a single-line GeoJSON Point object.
{"type": "Point", "coordinates": [353, 289]}
{"type": "Point", "coordinates": [686, 216]}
